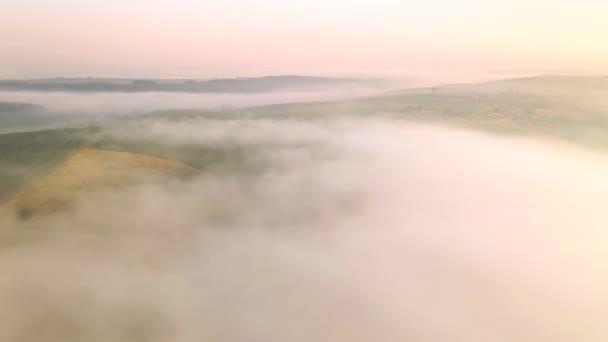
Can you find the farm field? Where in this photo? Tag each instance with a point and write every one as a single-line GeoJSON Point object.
{"type": "Point", "coordinates": [88, 171]}
{"type": "Point", "coordinates": [27, 157]}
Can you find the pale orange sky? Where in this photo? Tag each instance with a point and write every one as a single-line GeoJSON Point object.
{"type": "Point", "coordinates": [154, 38]}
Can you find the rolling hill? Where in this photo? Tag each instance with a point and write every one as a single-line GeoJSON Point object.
{"type": "Point", "coordinates": [26, 116]}
{"type": "Point", "coordinates": [42, 171]}
{"type": "Point", "coordinates": [45, 171]}
{"type": "Point", "coordinates": [89, 170]}
{"type": "Point", "coordinates": [27, 157]}
{"type": "Point", "coordinates": [557, 107]}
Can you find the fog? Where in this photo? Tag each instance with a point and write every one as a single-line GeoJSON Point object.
{"type": "Point", "coordinates": [107, 104]}
{"type": "Point", "coordinates": [358, 230]}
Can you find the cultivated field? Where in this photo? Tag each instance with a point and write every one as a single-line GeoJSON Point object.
{"type": "Point", "coordinates": [88, 171]}
{"type": "Point", "coordinates": [27, 157]}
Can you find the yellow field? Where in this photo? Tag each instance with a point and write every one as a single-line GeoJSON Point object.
{"type": "Point", "coordinates": [91, 170]}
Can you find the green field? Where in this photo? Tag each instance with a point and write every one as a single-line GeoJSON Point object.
{"type": "Point", "coordinates": [26, 157]}
{"type": "Point", "coordinates": [210, 159]}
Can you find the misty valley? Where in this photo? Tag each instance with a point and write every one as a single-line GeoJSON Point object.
{"type": "Point", "coordinates": [293, 208]}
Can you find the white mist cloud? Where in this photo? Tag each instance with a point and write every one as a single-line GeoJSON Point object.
{"type": "Point", "coordinates": [129, 103]}
{"type": "Point", "coordinates": [373, 230]}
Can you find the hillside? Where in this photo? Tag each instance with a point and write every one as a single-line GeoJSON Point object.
{"type": "Point", "coordinates": [16, 117]}
{"type": "Point", "coordinates": [87, 171]}
{"type": "Point", "coordinates": [567, 108]}
{"type": "Point", "coordinates": [27, 157]}
{"type": "Point", "coordinates": [547, 85]}
{"type": "Point", "coordinates": [209, 158]}
{"type": "Point", "coordinates": [45, 171]}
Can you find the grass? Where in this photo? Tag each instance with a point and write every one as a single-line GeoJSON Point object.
{"type": "Point", "coordinates": [209, 159]}
{"type": "Point", "coordinates": [27, 157]}
{"type": "Point", "coordinates": [90, 170]}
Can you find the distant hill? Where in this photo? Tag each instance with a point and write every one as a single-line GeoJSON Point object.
{"type": "Point", "coordinates": [562, 107]}
{"type": "Point", "coordinates": [547, 85]}
{"type": "Point", "coordinates": [26, 116]}
{"type": "Point", "coordinates": [15, 107]}
{"type": "Point", "coordinates": [16, 116]}
{"type": "Point", "coordinates": [237, 85]}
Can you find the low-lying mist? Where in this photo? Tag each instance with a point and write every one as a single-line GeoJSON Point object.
{"type": "Point", "coordinates": [112, 104]}
{"type": "Point", "coordinates": [357, 230]}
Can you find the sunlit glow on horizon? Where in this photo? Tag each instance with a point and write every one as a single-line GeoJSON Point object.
{"type": "Point", "coordinates": [203, 38]}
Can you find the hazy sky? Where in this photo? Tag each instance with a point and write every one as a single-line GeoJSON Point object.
{"type": "Point", "coordinates": [172, 38]}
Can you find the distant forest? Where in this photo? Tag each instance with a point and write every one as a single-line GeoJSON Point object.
{"type": "Point", "coordinates": [238, 85]}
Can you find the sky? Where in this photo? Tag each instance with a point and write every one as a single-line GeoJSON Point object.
{"type": "Point", "coordinates": [187, 38]}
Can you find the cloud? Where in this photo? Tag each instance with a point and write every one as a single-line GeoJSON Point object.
{"type": "Point", "coordinates": [112, 104]}
{"type": "Point", "coordinates": [370, 230]}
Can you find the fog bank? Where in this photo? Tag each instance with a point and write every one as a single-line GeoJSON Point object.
{"type": "Point", "coordinates": [131, 103]}
{"type": "Point", "coordinates": [359, 230]}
